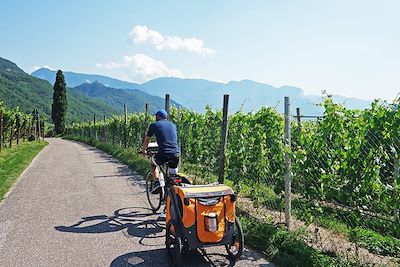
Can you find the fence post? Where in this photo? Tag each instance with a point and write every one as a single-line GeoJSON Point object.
{"type": "Point", "coordinates": [17, 123]}
{"type": "Point", "coordinates": [113, 131]}
{"type": "Point", "coordinates": [146, 113]}
{"type": "Point", "coordinates": [298, 115]}
{"type": "Point", "coordinates": [167, 103]}
{"type": "Point", "coordinates": [104, 128]}
{"type": "Point", "coordinates": [94, 127]}
{"type": "Point", "coordinates": [126, 126]}
{"type": "Point", "coordinates": [146, 110]}
{"type": "Point", "coordinates": [396, 187]}
{"type": "Point", "coordinates": [11, 132]}
{"type": "Point", "coordinates": [1, 129]}
{"type": "Point", "coordinates": [26, 125]}
{"type": "Point", "coordinates": [38, 127]}
{"type": "Point", "coordinates": [43, 128]}
{"type": "Point", "coordinates": [224, 135]}
{"type": "Point", "coordinates": [288, 178]}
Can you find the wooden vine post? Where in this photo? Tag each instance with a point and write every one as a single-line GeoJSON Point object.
{"type": "Point", "coordinates": [396, 187]}
{"type": "Point", "coordinates": [125, 126]}
{"type": "Point", "coordinates": [113, 131]}
{"type": "Point", "coordinates": [288, 177]}
{"type": "Point", "coordinates": [104, 128]}
{"type": "Point", "coordinates": [18, 124]}
{"type": "Point", "coordinates": [167, 104]}
{"type": "Point", "coordinates": [224, 137]}
{"type": "Point", "coordinates": [38, 126]}
{"type": "Point", "coordinates": [146, 114]}
{"type": "Point", "coordinates": [94, 127]}
{"type": "Point", "coordinates": [298, 116]}
{"type": "Point", "coordinates": [11, 132]}
{"type": "Point", "coordinates": [42, 127]}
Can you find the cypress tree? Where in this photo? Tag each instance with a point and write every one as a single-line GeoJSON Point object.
{"type": "Point", "coordinates": [59, 106]}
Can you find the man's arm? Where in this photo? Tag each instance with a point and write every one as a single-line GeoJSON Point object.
{"type": "Point", "coordinates": [145, 144]}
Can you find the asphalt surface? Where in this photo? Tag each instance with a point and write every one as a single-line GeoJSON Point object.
{"type": "Point", "coordinates": [77, 206]}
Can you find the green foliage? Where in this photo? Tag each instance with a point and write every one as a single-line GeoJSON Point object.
{"type": "Point", "coordinates": [15, 122]}
{"type": "Point", "coordinates": [374, 242]}
{"type": "Point", "coordinates": [59, 106]}
{"type": "Point", "coordinates": [19, 89]}
{"type": "Point", "coordinates": [348, 157]}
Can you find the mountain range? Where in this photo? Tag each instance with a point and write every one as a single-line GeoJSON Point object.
{"type": "Point", "coordinates": [19, 89]}
{"type": "Point", "coordinates": [196, 94]}
{"type": "Point", "coordinates": [116, 98]}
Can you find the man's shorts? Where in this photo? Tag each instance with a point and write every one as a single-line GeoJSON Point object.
{"type": "Point", "coordinates": [160, 159]}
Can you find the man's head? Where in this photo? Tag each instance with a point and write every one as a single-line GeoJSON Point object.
{"type": "Point", "coordinates": [161, 115]}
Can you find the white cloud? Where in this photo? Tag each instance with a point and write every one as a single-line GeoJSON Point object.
{"type": "Point", "coordinates": [142, 34]}
{"type": "Point", "coordinates": [141, 68]}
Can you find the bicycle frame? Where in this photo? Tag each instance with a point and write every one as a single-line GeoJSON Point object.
{"type": "Point", "coordinates": [168, 191]}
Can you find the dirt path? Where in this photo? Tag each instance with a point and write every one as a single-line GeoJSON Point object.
{"type": "Point", "coordinates": [77, 206]}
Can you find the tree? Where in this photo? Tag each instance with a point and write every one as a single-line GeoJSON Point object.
{"type": "Point", "coordinates": [59, 106]}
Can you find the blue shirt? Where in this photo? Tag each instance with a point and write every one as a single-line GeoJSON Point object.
{"type": "Point", "coordinates": [167, 137]}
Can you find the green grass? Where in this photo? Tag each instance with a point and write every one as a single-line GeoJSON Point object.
{"type": "Point", "coordinates": [13, 162]}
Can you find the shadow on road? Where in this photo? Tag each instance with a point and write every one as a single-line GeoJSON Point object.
{"type": "Point", "coordinates": [194, 258]}
{"type": "Point", "coordinates": [142, 224]}
{"type": "Point", "coordinates": [159, 258]}
{"type": "Point", "coordinates": [136, 221]}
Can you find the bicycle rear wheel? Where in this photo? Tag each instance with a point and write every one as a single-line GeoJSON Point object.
{"type": "Point", "coordinates": [235, 249]}
{"type": "Point", "coordinates": [154, 198]}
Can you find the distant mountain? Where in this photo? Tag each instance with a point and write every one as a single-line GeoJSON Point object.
{"type": "Point", "coordinates": [133, 98]}
{"type": "Point", "coordinates": [74, 79]}
{"type": "Point", "coordinates": [245, 95]}
{"type": "Point", "coordinates": [19, 89]}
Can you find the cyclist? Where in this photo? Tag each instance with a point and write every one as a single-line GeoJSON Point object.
{"type": "Point", "coordinates": [168, 149]}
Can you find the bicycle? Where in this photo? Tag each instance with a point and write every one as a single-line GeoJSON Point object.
{"type": "Point", "coordinates": [156, 199]}
{"type": "Point", "coordinates": [196, 215]}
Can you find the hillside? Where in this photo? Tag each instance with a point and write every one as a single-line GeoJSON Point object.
{"type": "Point", "coordinates": [134, 99]}
{"type": "Point", "coordinates": [197, 93]}
{"type": "Point", "coordinates": [19, 89]}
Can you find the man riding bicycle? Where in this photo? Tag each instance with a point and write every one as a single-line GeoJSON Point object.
{"type": "Point", "coordinates": [167, 140]}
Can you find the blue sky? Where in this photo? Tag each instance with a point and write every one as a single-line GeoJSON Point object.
{"type": "Point", "coordinates": [349, 48]}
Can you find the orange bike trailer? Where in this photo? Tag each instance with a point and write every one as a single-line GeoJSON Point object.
{"type": "Point", "coordinates": [207, 214]}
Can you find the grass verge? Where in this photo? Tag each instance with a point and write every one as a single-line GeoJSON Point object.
{"type": "Point", "coordinates": [13, 162]}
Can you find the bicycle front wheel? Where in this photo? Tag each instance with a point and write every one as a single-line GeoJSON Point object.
{"type": "Point", "coordinates": [154, 198]}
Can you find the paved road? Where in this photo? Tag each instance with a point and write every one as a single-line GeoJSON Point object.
{"type": "Point", "coordinates": [77, 206]}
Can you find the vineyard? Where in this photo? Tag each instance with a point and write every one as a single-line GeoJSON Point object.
{"type": "Point", "coordinates": [16, 125]}
{"type": "Point", "coordinates": [344, 169]}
